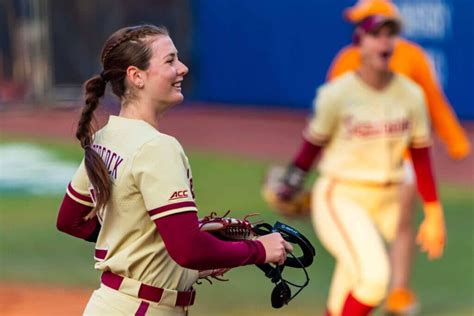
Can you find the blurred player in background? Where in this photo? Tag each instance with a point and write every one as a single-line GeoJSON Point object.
{"type": "Point", "coordinates": [410, 60]}
{"type": "Point", "coordinates": [132, 194]}
{"type": "Point", "coordinates": [366, 120]}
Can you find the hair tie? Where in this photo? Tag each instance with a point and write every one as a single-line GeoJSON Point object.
{"type": "Point", "coordinates": [103, 77]}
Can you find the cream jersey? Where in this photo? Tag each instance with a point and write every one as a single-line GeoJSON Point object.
{"type": "Point", "coordinates": [151, 178]}
{"type": "Point", "coordinates": [366, 131]}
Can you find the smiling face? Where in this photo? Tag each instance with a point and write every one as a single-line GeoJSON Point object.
{"type": "Point", "coordinates": [161, 81]}
{"type": "Point", "coordinates": [165, 74]}
{"type": "Point", "coordinates": [376, 46]}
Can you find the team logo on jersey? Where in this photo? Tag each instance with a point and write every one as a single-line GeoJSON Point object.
{"type": "Point", "coordinates": [375, 128]}
{"type": "Point", "coordinates": [179, 195]}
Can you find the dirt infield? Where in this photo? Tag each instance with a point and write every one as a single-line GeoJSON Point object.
{"type": "Point", "coordinates": [28, 300]}
{"type": "Point", "coordinates": [257, 133]}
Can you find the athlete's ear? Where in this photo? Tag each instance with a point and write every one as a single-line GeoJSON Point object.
{"type": "Point", "coordinates": [357, 35]}
{"type": "Point", "coordinates": [135, 76]}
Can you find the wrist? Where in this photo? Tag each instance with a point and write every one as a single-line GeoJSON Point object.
{"type": "Point", "coordinates": [292, 182]}
{"type": "Point", "coordinates": [261, 252]}
{"type": "Point", "coordinates": [294, 176]}
{"type": "Point", "coordinates": [432, 208]}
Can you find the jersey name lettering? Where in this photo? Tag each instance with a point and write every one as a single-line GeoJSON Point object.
{"type": "Point", "coordinates": [111, 159]}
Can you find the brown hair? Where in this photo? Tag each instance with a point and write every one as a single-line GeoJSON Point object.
{"type": "Point", "coordinates": [126, 47]}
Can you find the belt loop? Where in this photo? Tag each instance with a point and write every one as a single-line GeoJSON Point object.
{"type": "Point", "coordinates": [192, 296]}
{"type": "Point", "coordinates": [112, 280]}
{"type": "Point", "coordinates": [190, 302]}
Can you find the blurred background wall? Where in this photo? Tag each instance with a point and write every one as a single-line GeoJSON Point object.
{"type": "Point", "coordinates": [266, 52]}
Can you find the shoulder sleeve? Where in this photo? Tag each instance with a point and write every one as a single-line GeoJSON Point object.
{"type": "Point", "coordinates": [324, 120]}
{"type": "Point", "coordinates": [347, 59]}
{"type": "Point", "coordinates": [162, 175]}
{"type": "Point", "coordinates": [420, 130]}
{"type": "Point", "coordinates": [78, 189]}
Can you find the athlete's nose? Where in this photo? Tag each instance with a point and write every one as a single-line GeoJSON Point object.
{"type": "Point", "coordinates": [182, 69]}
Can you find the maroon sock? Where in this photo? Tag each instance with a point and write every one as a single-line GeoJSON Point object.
{"type": "Point", "coordinates": [352, 307]}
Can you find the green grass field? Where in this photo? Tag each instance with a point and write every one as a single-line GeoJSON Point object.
{"type": "Point", "coordinates": [33, 251]}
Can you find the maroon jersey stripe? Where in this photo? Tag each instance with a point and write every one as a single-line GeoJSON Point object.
{"type": "Point", "coordinates": [78, 195]}
{"type": "Point", "coordinates": [169, 207]}
{"type": "Point", "coordinates": [112, 280]}
{"type": "Point", "coordinates": [142, 309]}
{"type": "Point", "coordinates": [100, 253]}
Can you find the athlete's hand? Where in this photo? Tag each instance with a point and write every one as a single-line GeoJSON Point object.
{"type": "Point", "coordinates": [284, 192]}
{"type": "Point", "coordinates": [291, 183]}
{"type": "Point", "coordinates": [275, 248]}
{"type": "Point", "coordinates": [432, 232]}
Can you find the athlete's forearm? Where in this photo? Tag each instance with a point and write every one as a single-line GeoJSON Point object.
{"type": "Point", "coordinates": [448, 128]}
{"type": "Point", "coordinates": [443, 117]}
{"type": "Point", "coordinates": [71, 220]}
{"type": "Point", "coordinates": [424, 174]}
{"type": "Point", "coordinates": [431, 235]}
{"type": "Point", "coordinates": [306, 155]}
{"type": "Point", "coordinates": [194, 249]}
{"type": "Point", "coordinates": [295, 174]}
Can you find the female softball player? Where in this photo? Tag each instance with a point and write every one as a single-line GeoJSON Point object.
{"type": "Point", "coordinates": [133, 194]}
{"type": "Point", "coordinates": [410, 60]}
{"type": "Point", "coordinates": [366, 120]}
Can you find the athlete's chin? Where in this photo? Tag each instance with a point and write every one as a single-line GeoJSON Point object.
{"type": "Point", "coordinates": [382, 67]}
{"type": "Point", "coordinates": [179, 98]}
{"type": "Point", "coordinates": [176, 98]}
{"type": "Point", "coordinates": [383, 63]}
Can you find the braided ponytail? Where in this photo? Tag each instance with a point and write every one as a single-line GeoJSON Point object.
{"type": "Point", "coordinates": [95, 166]}
{"type": "Point", "coordinates": [125, 47]}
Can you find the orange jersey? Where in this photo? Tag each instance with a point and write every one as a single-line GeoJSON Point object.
{"type": "Point", "coordinates": [410, 60]}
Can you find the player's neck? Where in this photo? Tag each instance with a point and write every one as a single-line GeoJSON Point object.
{"type": "Point", "coordinates": [136, 110]}
{"type": "Point", "coordinates": [377, 80]}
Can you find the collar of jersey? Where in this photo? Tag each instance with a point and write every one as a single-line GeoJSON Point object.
{"type": "Point", "coordinates": [371, 89]}
{"type": "Point", "coordinates": [119, 121]}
